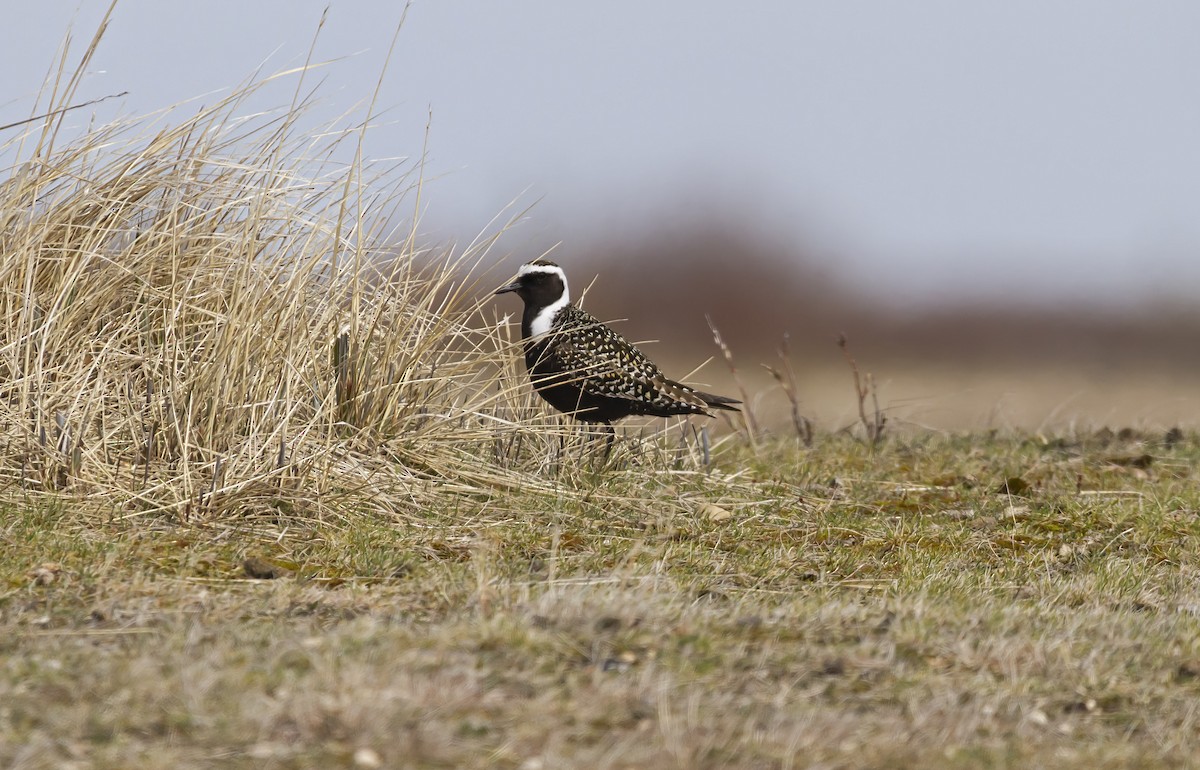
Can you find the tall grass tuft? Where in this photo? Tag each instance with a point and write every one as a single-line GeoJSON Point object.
{"type": "Point", "coordinates": [198, 318]}
{"type": "Point", "coordinates": [202, 318]}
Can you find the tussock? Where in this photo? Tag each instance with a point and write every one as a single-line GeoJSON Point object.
{"type": "Point", "coordinates": [201, 318]}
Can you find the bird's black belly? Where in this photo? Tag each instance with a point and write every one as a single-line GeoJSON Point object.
{"type": "Point", "coordinates": [582, 405]}
{"type": "Point", "coordinates": [566, 396]}
{"type": "Point", "coordinates": [562, 391]}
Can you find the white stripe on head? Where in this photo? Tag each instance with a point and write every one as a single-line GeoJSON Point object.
{"type": "Point", "coordinates": [543, 267]}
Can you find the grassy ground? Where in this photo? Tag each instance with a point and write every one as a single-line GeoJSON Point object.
{"type": "Point", "coordinates": [831, 607]}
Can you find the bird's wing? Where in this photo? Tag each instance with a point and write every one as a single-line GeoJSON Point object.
{"type": "Point", "coordinates": [604, 363]}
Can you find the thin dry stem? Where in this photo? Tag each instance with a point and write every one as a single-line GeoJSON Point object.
{"type": "Point", "coordinates": [786, 377]}
{"type": "Point", "coordinates": [747, 411]}
{"type": "Point", "coordinates": [864, 388]}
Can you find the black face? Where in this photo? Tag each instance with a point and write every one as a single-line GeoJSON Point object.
{"type": "Point", "coordinates": [537, 288]}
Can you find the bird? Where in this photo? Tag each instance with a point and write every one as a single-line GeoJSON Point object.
{"type": "Point", "coordinates": [586, 370]}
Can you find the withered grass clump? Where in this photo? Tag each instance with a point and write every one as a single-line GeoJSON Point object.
{"type": "Point", "coordinates": [202, 318]}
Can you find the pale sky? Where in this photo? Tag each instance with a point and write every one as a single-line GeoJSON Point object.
{"type": "Point", "coordinates": [1048, 147]}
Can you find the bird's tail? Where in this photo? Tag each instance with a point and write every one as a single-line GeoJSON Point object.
{"type": "Point", "coordinates": [718, 402]}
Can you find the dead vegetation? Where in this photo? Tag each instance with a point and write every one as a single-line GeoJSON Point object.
{"type": "Point", "coordinates": [204, 319]}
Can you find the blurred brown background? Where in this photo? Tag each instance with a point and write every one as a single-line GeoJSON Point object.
{"type": "Point", "coordinates": [972, 361]}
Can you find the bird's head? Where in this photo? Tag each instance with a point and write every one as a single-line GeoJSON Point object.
{"type": "Point", "coordinates": [540, 283]}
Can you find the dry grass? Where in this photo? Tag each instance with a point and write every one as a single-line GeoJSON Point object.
{"type": "Point", "coordinates": [276, 496]}
{"type": "Point", "coordinates": [203, 319]}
